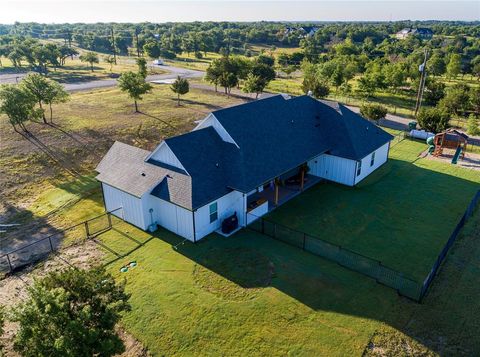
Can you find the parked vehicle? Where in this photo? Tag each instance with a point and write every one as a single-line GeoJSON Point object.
{"type": "Point", "coordinates": [158, 62]}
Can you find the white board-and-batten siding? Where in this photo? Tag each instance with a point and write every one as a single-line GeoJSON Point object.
{"type": "Point", "coordinates": [381, 157]}
{"type": "Point", "coordinates": [226, 206]}
{"type": "Point", "coordinates": [164, 154]}
{"type": "Point", "coordinates": [131, 206]}
{"type": "Point", "coordinates": [174, 218]}
{"type": "Point", "coordinates": [333, 168]}
{"type": "Point", "coordinates": [344, 171]}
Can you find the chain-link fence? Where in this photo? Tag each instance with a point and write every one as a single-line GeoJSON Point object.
{"type": "Point", "coordinates": [41, 248]}
{"type": "Point", "coordinates": [405, 285]}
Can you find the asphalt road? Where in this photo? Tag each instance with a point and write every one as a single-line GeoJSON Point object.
{"type": "Point", "coordinates": [391, 121]}
{"type": "Point", "coordinates": [173, 72]}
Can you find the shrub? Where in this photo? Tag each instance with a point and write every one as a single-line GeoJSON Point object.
{"type": "Point", "coordinates": [473, 125]}
{"type": "Point", "coordinates": [71, 313]}
{"type": "Point", "coordinates": [373, 112]}
{"type": "Point", "coordinates": [433, 119]}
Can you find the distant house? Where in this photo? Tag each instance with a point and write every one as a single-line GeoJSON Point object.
{"type": "Point", "coordinates": [243, 160]}
{"type": "Point", "coordinates": [303, 32]}
{"type": "Point", "coordinates": [423, 33]}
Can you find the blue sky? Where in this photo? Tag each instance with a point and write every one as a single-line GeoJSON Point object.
{"type": "Point", "coordinates": [59, 11]}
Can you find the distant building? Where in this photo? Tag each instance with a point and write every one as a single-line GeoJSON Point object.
{"type": "Point", "coordinates": [421, 32]}
{"type": "Point", "coordinates": [304, 31]}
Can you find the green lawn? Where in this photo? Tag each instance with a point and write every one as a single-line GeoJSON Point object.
{"type": "Point", "coordinates": [401, 215]}
{"type": "Point", "coordinates": [251, 295]}
{"type": "Point", "coordinates": [246, 295]}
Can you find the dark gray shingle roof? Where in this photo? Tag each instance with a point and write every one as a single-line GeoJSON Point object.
{"type": "Point", "coordinates": [273, 135]}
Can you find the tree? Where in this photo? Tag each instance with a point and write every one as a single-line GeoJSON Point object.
{"type": "Point", "coordinates": [142, 67]}
{"type": "Point", "coordinates": [267, 60]}
{"type": "Point", "coordinates": [456, 99]}
{"type": "Point", "coordinates": [180, 86]}
{"type": "Point", "coordinates": [476, 67]}
{"type": "Point", "coordinates": [366, 86]}
{"type": "Point", "coordinates": [436, 65]}
{"type": "Point", "coordinates": [39, 87]}
{"type": "Point", "coordinates": [213, 73]}
{"type": "Point", "coordinates": [373, 112]}
{"type": "Point", "coordinates": [19, 105]}
{"type": "Point", "coordinates": [55, 94]}
{"type": "Point", "coordinates": [320, 89]}
{"type": "Point", "coordinates": [434, 91]}
{"type": "Point", "coordinates": [110, 60]}
{"type": "Point", "coordinates": [71, 313]}
{"type": "Point", "coordinates": [475, 99]}
{"type": "Point", "coordinates": [89, 57]}
{"type": "Point", "coordinates": [66, 51]}
{"type": "Point", "coordinates": [134, 85]}
{"type": "Point", "coordinates": [473, 125]}
{"type": "Point", "coordinates": [152, 49]}
{"type": "Point", "coordinates": [265, 72]}
{"type": "Point", "coordinates": [434, 120]}
{"type": "Point", "coordinates": [454, 66]}
{"type": "Point", "coordinates": [254, 84]}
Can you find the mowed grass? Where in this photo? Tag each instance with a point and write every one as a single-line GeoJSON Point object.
{"type": "Point", "coordinates": [246, 295]}
{"type": "Point", "coordinates": [251, 295]}
{"type": "Point", "coordinates": [401, 215]}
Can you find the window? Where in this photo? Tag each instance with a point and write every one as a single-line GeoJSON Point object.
{"type": "Point", "coordinates": [372, 159]}
{"type": "Point", "coordinates": [359, 168]}
{"type": "Point", "coordinates": [213, 212]}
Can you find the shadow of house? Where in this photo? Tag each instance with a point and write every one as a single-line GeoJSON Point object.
{"type": "Point", "coordinates": [322, 285]}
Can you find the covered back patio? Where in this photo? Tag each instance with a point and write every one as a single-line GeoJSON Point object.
{"type": "Point", "coordinates": [278, 191]}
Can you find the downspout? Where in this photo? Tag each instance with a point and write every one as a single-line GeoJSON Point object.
{"type": "Point", "coordinates": [103, 198]}
{"type": "Point", "coordinates": [244, 210]}
{"type": "Point", "coordinates": [194, 230]}
{"type": "Point", "coordinates": [355, 173]}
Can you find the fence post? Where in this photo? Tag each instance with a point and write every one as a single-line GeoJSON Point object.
{"type": "Point", "coordinates": [50, 241]}
{"type": "Point", "coordinates": [304, 237]}
{"type": "Point", "coordinates": [109, 220]}
{"type": "Point", "coordinates": [9, 263]}
{"type": "Point", "coordinates": [86, 229]}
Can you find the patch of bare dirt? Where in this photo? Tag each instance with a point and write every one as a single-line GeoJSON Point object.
{"type": "Point", "coordinates": [470, 161]}
{"type": "Point", "coordinates": [13, 290]}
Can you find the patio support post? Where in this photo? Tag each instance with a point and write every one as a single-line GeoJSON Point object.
{"type": "Point", "coordinates": [302, 178]}
{"type": "Point", "coordinates": [276, 192]}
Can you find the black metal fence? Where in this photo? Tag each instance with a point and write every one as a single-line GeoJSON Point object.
{"type": "Point", "coordinates": [453, 237]}
{"type": "Point", "coordinates": [405, 285]}
{"type": "Point", "coordinates": [41, 248]}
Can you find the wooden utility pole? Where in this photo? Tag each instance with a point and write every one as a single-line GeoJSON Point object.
{"type": "Point", "coordinates": [114, 47]}
{"type": "Point", "coordinates": [136, 39]}
{"type": "Point", "coordinates": [421, 86]}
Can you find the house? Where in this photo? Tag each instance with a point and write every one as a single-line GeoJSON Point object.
{"type": "Point", "coordinates": [303, 31]}
{"type": "Point", "coordinates": [423, 33]}
{"type": "Point", "coordinates": [242, 160]}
